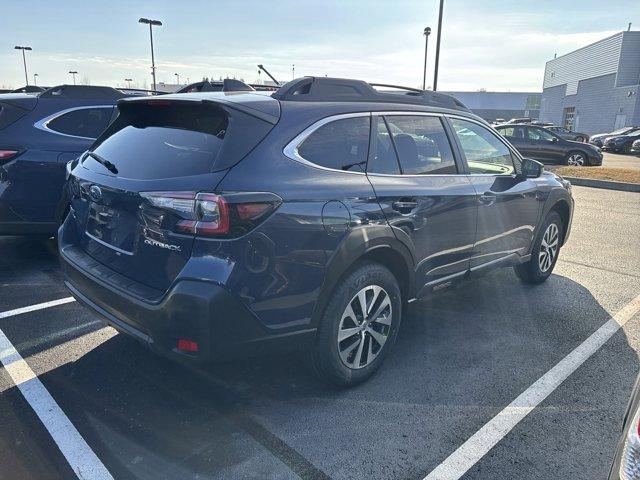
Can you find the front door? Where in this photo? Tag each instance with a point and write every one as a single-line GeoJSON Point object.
{"type": "Point", "coordinates": [430, 205]}
{"type": "Point", "coordinates": [508, 205]}
{"type": "Point", "coordinates": [548, 146]}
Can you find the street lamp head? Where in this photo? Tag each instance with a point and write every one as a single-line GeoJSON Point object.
{"type": "Point", "coordinates": [18, 47]}
{"type": "Point", "coordinates": [427, 31]}
{"type": "Point", "coordinates": [72, 71]}
{"type": "Point", "coordinates": [150, 22]}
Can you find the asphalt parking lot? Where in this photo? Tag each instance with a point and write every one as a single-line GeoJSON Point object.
{"type": "Point", "coordinates": [462, 356]}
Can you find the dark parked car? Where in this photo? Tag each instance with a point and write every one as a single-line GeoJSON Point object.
{"type": "Point", "coordinates": [621, 143]}
{"type": "Point", "coordinates": [207, 225]}
{"type": "Point", "coordinates": [39, 134]}
{"type": "Point", "coordinates": [568, 134]}
{"type": "Point", "coordinates": [541, 144]}
{"type": "Point", "coordinates": [599, 139]}
{"type": "Point", "coordinates": [626, 465]}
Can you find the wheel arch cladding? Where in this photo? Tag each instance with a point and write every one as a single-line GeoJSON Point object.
{"type": "Point", "coordinates": [356, 249]}
{"type": "Point", "coordinates": [562, 207]}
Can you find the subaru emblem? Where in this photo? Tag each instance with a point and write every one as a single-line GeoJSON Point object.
{"type": "Point", "coordinates": [95, 193]}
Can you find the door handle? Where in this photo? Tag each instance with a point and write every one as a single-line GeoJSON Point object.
{"type": "Point", "coordinates": [488, 199]}
{"type": "Point", "coordinates": [404, 206]}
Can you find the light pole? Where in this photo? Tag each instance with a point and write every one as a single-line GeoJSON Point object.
{"type": "Point", "coordinates": [427, 32]}
{"type": "Point", "coordinates": [151, 23]}
{"type": "Point", "coordinates": [34, 78]}
{"type": "Point", "coordinates": [435, 72]}
{"type": "Point", "coordinates": [24, 61]}
{"type": "Point", "coordinates": [178, 77]}
{"type": "Point", "coordinates": [74, 73]}
{"type": "Point", "coordinates": [128, 80]}
{"type": "Point", "coordinates": [293, 71]}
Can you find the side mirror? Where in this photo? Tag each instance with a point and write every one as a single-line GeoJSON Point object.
{"type": "Point", "coordinates": [531, 168]}
{"type": "Point", "coordinates": [554, 139]}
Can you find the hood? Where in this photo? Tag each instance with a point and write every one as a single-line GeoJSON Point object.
{"type": "Point", "coordinates": [618, 138]}
{"type": "Point", "coordinates": [583, 145]}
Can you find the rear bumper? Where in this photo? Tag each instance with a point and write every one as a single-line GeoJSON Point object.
{"type": "Point", "coordinates": [194, 310]}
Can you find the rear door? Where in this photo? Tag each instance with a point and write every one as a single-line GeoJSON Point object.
{"type": "Point", "coordinates": [430, 205]}
{"type": "Point", "coordinates": [517, 136]}
{"type": "Point", "coordinates": [134, 193]}
{"type": "Point", "coordinates": [509, 206]}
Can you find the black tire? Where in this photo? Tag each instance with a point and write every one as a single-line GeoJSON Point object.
{"type": "Point", "coordinates": [576, 153]}
{"type": "Point", "coordinates": [531, 271]}
{"type": "Point", "coordinates": [327, 362]}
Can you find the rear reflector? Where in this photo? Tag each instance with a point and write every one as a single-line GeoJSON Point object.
{"type": "Point", "coordinates": [187, 345]}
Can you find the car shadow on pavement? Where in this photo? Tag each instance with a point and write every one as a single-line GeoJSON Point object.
{"type": "Point", "coordinates": [461, 356]}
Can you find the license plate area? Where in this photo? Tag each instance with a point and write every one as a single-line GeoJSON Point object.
{"type": "Point", "coordinates": [111, 227]}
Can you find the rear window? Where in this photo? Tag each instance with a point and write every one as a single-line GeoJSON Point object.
{"type": "Point", "coordinates": [174, 139]}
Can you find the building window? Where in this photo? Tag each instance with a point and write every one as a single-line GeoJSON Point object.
{"type": "Point", "coordinates": [568, 118]}
{"type": "Point", "coordinates": [533, 102]}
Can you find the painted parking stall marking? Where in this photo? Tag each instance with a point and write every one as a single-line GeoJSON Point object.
{"type": "Point", "coordinates": [78, 454]}
{"type": "Point", "coordinates": [481, 442]}
{"type": "Point", "coordinates": [37, 306]}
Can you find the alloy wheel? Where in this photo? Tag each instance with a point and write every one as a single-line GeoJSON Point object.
{"type": "Point", "coordinates": [576, 160]}
{"type": "Point", "coordinates": [364, 327]}
{"type": "Point", "coordinates": [548, 247]}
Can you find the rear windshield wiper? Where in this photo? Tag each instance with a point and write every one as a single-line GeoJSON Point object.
{"type": "Point", "coordinates": [104, 162]}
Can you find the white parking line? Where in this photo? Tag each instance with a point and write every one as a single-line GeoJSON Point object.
{"type": "Point", "coordinates": [81, 458]}
{"type": "Point", "coordinates": [37, 306]}
{"type": "Point", "coordinates": [481, 442]}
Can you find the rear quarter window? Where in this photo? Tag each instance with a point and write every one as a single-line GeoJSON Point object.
{"type": "Point", "coordinates": [340, 145]}
{"type": "Point", "coordinates": [84, 122]}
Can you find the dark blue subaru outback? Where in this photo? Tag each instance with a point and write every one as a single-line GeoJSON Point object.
{"type": "Point", "coordinates": [212, 224]}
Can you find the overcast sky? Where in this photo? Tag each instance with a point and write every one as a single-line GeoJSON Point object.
{"type": "Point", "coordinates": [496, 45]}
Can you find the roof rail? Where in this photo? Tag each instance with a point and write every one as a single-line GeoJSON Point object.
{"type": "Point", "coordinates": [324, 89]}
{"type": "Point", "coordinates": [226, 85]}
{"type": "Point", "coordinates": [82, 91]}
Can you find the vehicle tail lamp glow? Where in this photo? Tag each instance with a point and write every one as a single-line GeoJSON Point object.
{"type": "Point", "coordinates": [6, 155]}
{"type": "Point", "coordinates": [630, 462]}
{"type": "Point", "coordinates": [214, 215]}
{"type": "Point", "coordinates": [187, 345]}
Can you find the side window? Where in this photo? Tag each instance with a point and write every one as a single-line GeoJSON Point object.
{"type": "Point", "coordinates": [383, 157]}
{"type": "Point", "coordinates": [540, 134]}
{"type": "Point", "coordinates": [422, 145]}
{"type": "Point", "coordinates": [484, 152]}
{"type": "Point", "coordinates": [85, 122]}
{"type": "Point", "coordinates": [508, 132]}
{"type": "Point", "coordinates": [340, 144]}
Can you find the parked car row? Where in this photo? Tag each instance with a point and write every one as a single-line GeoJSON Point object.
{"type": "Point", "coordinates": [620, 140]}
{"type": "Point", "coordinates": [545, 145]}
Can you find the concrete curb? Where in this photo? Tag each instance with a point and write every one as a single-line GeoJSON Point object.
{"type": "Point", "coordinates": [607, 184]}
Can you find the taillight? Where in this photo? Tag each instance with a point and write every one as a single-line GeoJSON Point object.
{"type": "Point", "coordinates": [214, 215]}
{"type": "Point", "coordinates": [6, 155]}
